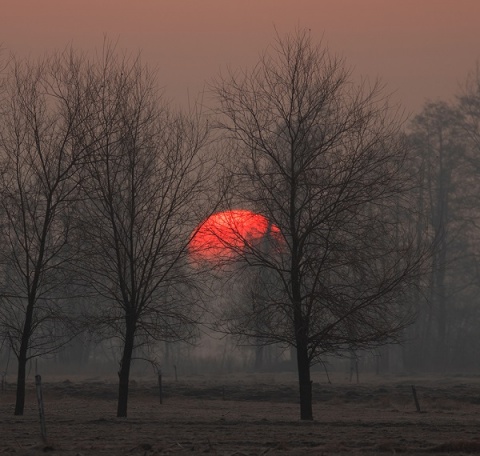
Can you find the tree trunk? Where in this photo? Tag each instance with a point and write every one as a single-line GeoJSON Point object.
{"type": "Point", "coordinates": [293, 357]}
{"type": "Point", "coordinates": [441, 231]}
{"type": "Point", "coordinates": [22, 359]}
{"type": "Point", "coordinates": [442, 358]}
{"type": "Point", "coordinates": [124, 373]}
{"type": "Point", "coordinates": [304, 383]}
{"type": "Point", "coordinates": [301, 340]}
{"type": "Point", "coordinates": [22, 367]}
{"type": "Point", "coordinates": [259, 361]}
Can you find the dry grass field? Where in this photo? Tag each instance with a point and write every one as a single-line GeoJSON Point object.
{"type": "Point", "coordinates": [247, 415]}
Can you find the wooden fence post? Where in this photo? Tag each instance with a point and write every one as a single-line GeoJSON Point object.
{"type": "Point", "coordinates": [415, 398]}
{"type": "Point", "coordinates": [41, 413]}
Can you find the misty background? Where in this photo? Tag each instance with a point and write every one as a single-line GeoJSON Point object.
{"type": "Point", "coordinates": [425, 52]}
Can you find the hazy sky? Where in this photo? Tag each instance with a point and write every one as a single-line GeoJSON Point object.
{"type": "Point", "coordinates": [419, 48]}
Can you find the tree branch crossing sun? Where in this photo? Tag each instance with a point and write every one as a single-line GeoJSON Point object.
{"type": "Point", "coordinates": [226, 234]}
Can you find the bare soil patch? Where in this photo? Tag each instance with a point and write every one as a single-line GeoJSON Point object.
{"type": "Point", "coordinates": [247, 415]}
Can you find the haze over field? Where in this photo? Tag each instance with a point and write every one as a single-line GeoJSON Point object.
{"type": "Point", "coordinates": [420, 49]}
{"type": "Point", "coordinates": [291, 232]}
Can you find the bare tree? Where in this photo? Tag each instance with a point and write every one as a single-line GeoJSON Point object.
{"type": "Point", "coordinates": [147, 183]}
{"type": "Point", "coordinates": [41, 110]}
{"type": "Point", "coordinates": [469, 104]}
{"type": "Point", "coordinates": [442, 198]}
{"type": "Point", "coordinates": [323, 160]}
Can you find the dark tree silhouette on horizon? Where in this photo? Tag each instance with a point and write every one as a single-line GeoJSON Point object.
{"type": "Point", "coordinates": [41, 110]}
{"type": "Point", "coordinates": [323, 159]}
{"type": "Point", "coordinates": [146, 182]}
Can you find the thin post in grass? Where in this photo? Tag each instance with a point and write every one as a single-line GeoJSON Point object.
{"type": "Point", "coordinates": [326, 371]}
{"type": "Point", "coordinates": [415, 398]}
{"type": "Point", "coordinates": [41, 412]}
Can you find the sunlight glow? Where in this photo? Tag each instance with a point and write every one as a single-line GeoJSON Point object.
{"type": "Point", "coordinates": [227, 234]}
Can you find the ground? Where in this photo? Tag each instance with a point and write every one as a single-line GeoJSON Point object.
{"type": "Point", "coordinates": [246, 415]}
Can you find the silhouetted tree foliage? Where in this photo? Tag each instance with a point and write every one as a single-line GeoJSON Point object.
{"type": "Point", "coordinates": [42, 108]}
{"type": "Point", "coordinates": [146, 182]}
{"type": "Point", "coordinates": [469, 104]}
{"type": "Point", "coordinates": [322, 158]}
{"type": "Point", "coordinates": [445, 139]}
{"type": "Point", "coordinates": [442, 199]}
{"type": "Point", "coordinates": [102, 184]}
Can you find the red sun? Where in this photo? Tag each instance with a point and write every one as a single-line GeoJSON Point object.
{"type": "Point", "coordinates": [227, 234]}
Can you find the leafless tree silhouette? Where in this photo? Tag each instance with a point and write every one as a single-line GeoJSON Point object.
{"type": "Point", "coordinates": [322, 158]}
{"type": "Point", "coordinates": [147, 182]}
{"type": "Point", "coordinates": [41, 110]}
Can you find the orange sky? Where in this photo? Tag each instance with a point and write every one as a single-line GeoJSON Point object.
{"type": "Point", "coordinates": [420, 48]}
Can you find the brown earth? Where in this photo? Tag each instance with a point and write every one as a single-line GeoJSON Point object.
{"type": "Point", "coordinates": [242, 415]}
